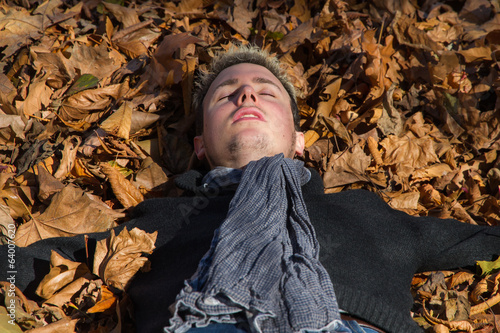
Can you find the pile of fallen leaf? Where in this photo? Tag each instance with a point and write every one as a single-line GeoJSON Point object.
{"type": "Point", "coordinates": [398, 97]}
{"type": "Point", "coordinates": [73, 294]}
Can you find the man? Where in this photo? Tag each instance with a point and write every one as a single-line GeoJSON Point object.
{"type": "Point", "coordinates": [247, 115]}
{"type": "Point", "coordinates": [369, 251]}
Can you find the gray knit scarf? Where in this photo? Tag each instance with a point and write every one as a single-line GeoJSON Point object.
{"type": "Point", "coordinates": [262, 266]}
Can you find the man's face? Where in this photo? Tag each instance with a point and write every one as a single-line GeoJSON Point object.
{"type": "Point", "coordinates": [247, 115]}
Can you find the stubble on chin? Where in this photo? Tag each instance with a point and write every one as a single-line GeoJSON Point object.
{"type": "Point", "coordinates": [258, 146]}
{"type": "Point", "coordinates": [254, 145]}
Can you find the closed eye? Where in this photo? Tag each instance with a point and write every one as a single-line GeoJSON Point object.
{"type": "Point", "coordinates": [226, 96]}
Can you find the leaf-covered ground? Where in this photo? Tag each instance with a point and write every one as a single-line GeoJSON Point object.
{"type": "Point", "coordinates": [398, 97]}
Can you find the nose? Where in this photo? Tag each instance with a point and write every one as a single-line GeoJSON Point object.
{"type": "Point", "coordinates": [247, 94]}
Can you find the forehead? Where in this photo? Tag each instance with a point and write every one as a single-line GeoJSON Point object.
{"type": "Point", "coordinates": [243, 73]}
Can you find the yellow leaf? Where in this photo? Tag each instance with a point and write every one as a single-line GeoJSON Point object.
{"type": "Point", "coordinates": [488, 267]}
{"type": "Point", "coordinates": [310, 137]}
{"type": "Point", "coordinates": [107, 301]}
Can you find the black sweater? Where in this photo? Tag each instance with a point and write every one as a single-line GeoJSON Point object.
{"type": "Point", "coordinates": [370, 250]}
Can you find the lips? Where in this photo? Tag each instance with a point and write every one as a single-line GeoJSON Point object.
{"type": "Point", "coordinates": [248, 114]}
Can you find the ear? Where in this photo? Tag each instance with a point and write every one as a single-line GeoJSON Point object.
{"type": "Point", "coordinates": [199, 147]}
{"type": "Point", "coordinates": [299, 143]}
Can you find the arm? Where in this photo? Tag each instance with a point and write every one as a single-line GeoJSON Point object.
{"type": "Point", "coordinates": [452, 244]}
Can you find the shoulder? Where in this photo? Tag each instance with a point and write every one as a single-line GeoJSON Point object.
{"type": "Point", "coordinates": [352, 199]}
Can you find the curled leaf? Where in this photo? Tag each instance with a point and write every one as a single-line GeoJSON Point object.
{"type": "Point", "coordinates": [62, 271]}
{"type": "Point", "coordinates": [126, 193]}
{"type": "Point", "coordinates": [71, 145]}
{"type": "Point", "coordinates": [65, 295]}
{"type": "Point", "coordinates": [118, 258]}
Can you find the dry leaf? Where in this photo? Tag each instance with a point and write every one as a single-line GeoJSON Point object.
{"type": "Point", "coordinates": [431, 98]}
{"type": "Point", "coordinates": [79, 105]}
{"type": "Point", "coordinates": [108, 301]}
{"type": "Point", "coordinates": [126, 193]}
{"type": "Point", "coordinates": [55, 64]}
{"type": "Point", "coordinates": [417, 152]}
{"type": "Point", "coordinates": [336, 127]}
{"type": "Point", "coordinates": [5, 326]}
{"type": "Point", "coordinates": [127, 16]}
{"type": "Point", "coordinates": [407, 200]}
{"type": "Point", "coordinates": [440, 328]}
{"type": "Point", "coordinates": [70, 212]}
{"type": "Point", "coordinates": [430, 172]}
{"type": "Point", "coordinates": [310, 137]}
{"type": "Point", "coordinates": [93, 60]}
{"type": "Point", "coordinates": [71, 145]}
{"type": "Point", "coordinates": [142, 120]}
{"type": "Point", "coordinates": [48, 184]}
{"type": "Point", "coordinates": [347, 167]}
{"type": "Point", "coordinates": [67, 293]}
{"type": "Point", "coordinates": [118, 258]}
{"type": "Point", "coordinates": [7, 224]}
{"type": "Point", "coordinates": [391, 121]}
{"type": "Point", "coordinates": [301, 10]}
{"type": "Point", "coordinates": [297, 36]}
{"type": "Point", "coordinates": [330, 92]}
{"type": "Point", "coordinates": [17, 29]}
{"type": "Point", "coordinates": [15, 123]}
{"type": "Point", "coordinates": [64, 325]}
{"type": "Point", "coordinates": [39, 97]}
{"type": "Point", "coordinates": [242, 16]}
{"type": "Point", "coordinates": [23, 308]}
{"type": "Point", "coordinates": [151, 176]}
{"type": "Point", "coordinates": [373, 148]}
{"type": "Point", "coordinates": [62, 271]}
{"type": "Point", "coordinates": [429, 195]}
{"type": "Point", "coordinates": [137, 43]}
{"type": "Point", "coordinates": [476, 54]}
{"type": "Point", "coordinates": [165, 69]}
{"type": "Point", "coordinates": [119, 122]}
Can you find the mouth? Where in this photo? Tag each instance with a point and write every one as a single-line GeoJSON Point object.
{"type": "Point", "coordinates": [245, 114]}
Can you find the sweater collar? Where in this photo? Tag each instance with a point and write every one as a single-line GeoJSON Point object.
{"type": "Point", "coordinates": [224, 177]}
{"type": "Point", "coordinates": [192, 182]}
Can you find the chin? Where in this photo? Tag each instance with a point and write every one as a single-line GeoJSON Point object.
{"type": "Point", "coordinates": [249, 144]}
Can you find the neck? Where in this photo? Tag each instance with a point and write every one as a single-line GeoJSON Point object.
{"type": "Point", "coordinates": [241, 160]}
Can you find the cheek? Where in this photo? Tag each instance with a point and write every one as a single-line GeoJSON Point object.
{"type": "Point", "coordinates": [285, 120]}
{"type": "Point", "coordinates": [212, 122]}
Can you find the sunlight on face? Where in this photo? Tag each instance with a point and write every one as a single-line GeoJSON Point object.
{"type": "Point", "coordinates": [247, 115]}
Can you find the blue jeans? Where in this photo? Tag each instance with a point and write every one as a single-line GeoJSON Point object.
{"type": "Point", "coordinates": [217, 328]}
{"type": "Point", "coordinates": [356, 328]}
{"type": "Point", "coordinates": [230, 328]}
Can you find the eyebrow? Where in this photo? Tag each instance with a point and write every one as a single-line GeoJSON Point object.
{"type": "Point", "coordinates": [255, 80]}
